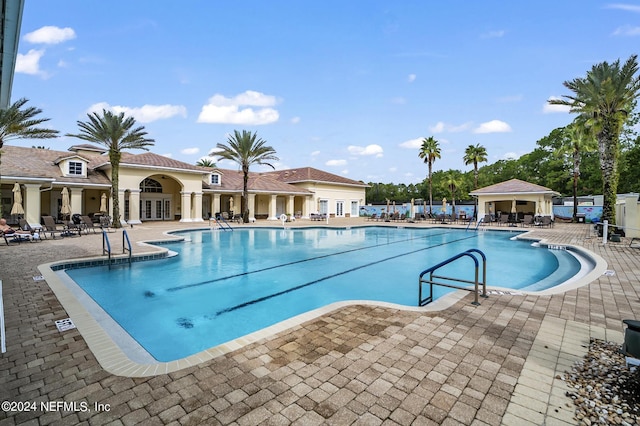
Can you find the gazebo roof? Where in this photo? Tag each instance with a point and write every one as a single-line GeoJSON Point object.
{"type": "Point", "coordinates": [513, 186]}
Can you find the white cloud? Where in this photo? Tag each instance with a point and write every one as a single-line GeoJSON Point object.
{"type": "Point", "coordinates": [315, 153]}
{"type": "Point", "coordinates": [548, 108]}
{"type": "Point", "coordinates": [494, 34]}
{"type": "Point", "coordinates": [50, 35]}
{"type": "Point", "coordinates": [372, 149]}
{"type": "Point", "coordinates": [626, 7]}
{"type": "Point", "coordinates": [143, 114]}
{"type": "Point", "coordinates": [441, 127]}
{"type": "Point", "coordinates": [30, 62]}
{"type": "Point", "coordinates": [345, 172]}
{"type": "Point", "coordinates": [336, 163]}
{"type": "Point", "coordinates": [627, 30]}
{"type": "Point", "coordinates": [493, 126]}
{"type": "Point", "coordinates": [510, 156]}
{"type": "Point", "coordinates": [168, 155]}
{"type": "Point", "coordinates": [393, 169]}
{"type": "Point", "coordinates": [411, 78]}
{"type": "Point", "coordinates": [190, 151]}
{"type": "Point", "coordinates": [221, 109]}
{"type": "Point", "coordinates": [295, 120]}
{"type": "Point", "coordinates": [412, 143]}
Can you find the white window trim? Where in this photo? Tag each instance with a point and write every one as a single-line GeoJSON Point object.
{"type": "Point", "coordinates": [219, 179]}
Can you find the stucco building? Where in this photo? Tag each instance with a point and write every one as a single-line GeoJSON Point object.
{"type": "Point", "coordinates": [155, 187]}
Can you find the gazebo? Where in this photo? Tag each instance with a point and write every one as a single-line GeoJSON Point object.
{"type": "Point", "coordinates": [525, 197]}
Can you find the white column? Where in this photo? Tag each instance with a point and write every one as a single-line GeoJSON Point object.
{"type": "Point", "coordinates": [632, 216]}
{"type": "Point", "coordinates": [252, 207]}
{"type": "Point", "coordinates": [272, 207]}
{"type": "Point", "coordinates": [197, 207]}
{"type": "Point", "coordinates": [185, 207]}
{"type": "Point", "coordinates": [121, 193]}
{"type": "Point", "coordinates": [32, 204]}
{"type": "Point", "coordinates": [134, 207]}
{"type": "Point", "coordinates": [306, 206]}
{"type": "Point", "coordinates": [215, 208]}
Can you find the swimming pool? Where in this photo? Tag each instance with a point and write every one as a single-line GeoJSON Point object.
{"type": "Point", "coordinates": [223, 285]}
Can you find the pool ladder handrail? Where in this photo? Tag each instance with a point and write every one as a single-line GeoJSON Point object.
{"type": "Point", "coordinates": [481, 220]}
{"type": "Point", "coordinates": [432, 278]}
{"type": "Point", "coordinates": [221, 222]}
{"type": "Point", "coordinates": [106, 246]}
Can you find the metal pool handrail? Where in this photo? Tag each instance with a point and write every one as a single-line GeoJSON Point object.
{"type": "Point", "coordinates": [432, 277]}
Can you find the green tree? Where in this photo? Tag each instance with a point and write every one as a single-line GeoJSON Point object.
{"type": "Point", "coordinates": [116, 133]}
{"type": "Point", "coordinates": [245, 149]}
{"type": "Point", "coordinates": [579, 139]}
{"type": "Point", "coordinates": [453, 182]}
{"type": "Point", "coordinates": [22, 123]}
{"type": "Point", "coordinates": [429, 152]}
{"type": "Point", "coordinates": [206, 162]}
{"type": "Point", "coordinates": [474, 155]}
{"type": "Point", "coordinates": [606, 95]}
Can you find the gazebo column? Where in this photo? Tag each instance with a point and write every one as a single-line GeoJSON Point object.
{"type": "Point", "coordinates": [32, 204]}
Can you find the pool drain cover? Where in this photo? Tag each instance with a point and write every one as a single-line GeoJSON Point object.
{"type": "Point", "coordinates": [65, 324]}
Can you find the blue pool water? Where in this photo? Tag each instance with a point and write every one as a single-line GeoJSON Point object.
{"type": "Point", "coordinates": [223, 285]}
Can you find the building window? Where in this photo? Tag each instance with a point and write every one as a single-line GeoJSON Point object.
{"type": "Point", "coordinates": [75, 168]}
{"type": "Point", "coordinates": [215, 179]}
{"type": "Point", "coordinates": [150, 185]}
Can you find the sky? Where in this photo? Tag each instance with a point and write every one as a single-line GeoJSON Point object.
{"type": "Point", "coordinates": [349, 87]}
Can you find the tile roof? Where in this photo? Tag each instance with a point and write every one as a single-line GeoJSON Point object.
{"type": "Point", "coordinates": [41, 164]}
{"type": "Point", "coordinates": [232, 181]}
{"type": "Point", "coordinates": [513, 186]}
{"type": "Point", "coordinates": [155, 160]}
{"type": "Point", "coordinates": [309, 174]}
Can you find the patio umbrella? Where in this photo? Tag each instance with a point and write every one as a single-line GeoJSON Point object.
{"type": "Point", "coordinates": [231, 203]}
{"type": "Point", "coordinates": [394, 206]}
{"type": "Point", "coordinates": [388, 205]}
{"type": "Point", "coordinates": [513, 206]}
{"type": "Point", "coordinates": [444, 205]}
{"type": "Point", "coordinates": [411, 213]}
{"type": "Point", "coordinates": [539, 205]}
{"type": "Point", "coordinates": [66, 207]}
{"type": "Point", "coordinates": [103, 203]}
{"type": "Point", "coordinates": [17, 200]}
{"type": "Point", "coordinates": [424, 208]}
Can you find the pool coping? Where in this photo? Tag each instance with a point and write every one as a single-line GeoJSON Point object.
{"type": "Point", "coordinates": [115, 361]}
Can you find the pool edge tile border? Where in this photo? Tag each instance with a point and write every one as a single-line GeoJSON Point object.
{"type": "Point", "coordinates": [115, 361]}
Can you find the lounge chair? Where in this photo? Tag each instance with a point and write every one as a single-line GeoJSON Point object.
{"type": "Point", "coordinates": [527, 220]}
{"type": "Point", "coordinates": [49, 225]}
{"type": "Point", "coordinates": [35, 234]}
{"type": "Point", "coordinates": [373, 217]}
{"type": "Point", "coordinates": [87, 224]}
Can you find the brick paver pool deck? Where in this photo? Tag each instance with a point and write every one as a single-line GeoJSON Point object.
{"type": "Point", "coordinates": [361, 364]}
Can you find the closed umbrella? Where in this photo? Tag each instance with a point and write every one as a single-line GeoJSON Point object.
{"type": "Point", "coordinates": [103, 203]}
{"type": "Point", "coordinates": [17, 201]}
{"type": "Point", "coordinates": [514, 217]}
{"type": "Point", "coordinates": [66, 206]}
{"type": "Point", "coordinates": [411, 213]}
{"type": "Point", "coordinates": [444, 205]}
{"type": "Point", "coordinates": [539, 205]}
{"type": "Point", "coordinates": [231, 203]}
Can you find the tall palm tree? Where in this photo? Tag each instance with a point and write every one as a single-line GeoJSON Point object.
{"type": "Point", "coordinates": [115, 132]}
{"type": "Point", "coordinates": [474, 155]}
{"type": "Point", "coordinates": [18, 123]}
{"type": "Point", "coordinates": [429, 152]}
{"type": "Point", "coordinates": [606, 95]}
{"type": "Point", "coordinates": [579, 139]}
{"type": "Point", "coordinates": [206, 162]}
{"type": "Point", "coordinates": [245, 149]}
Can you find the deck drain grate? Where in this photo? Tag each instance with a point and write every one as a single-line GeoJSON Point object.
{"type": "Point", "coordinates": [65, 324]}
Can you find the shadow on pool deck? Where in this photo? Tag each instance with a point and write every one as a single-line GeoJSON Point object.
{"type": "Point", "coordinates": [490, 364]}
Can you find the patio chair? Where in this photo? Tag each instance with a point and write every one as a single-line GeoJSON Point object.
{"type": "Point", "coordinates": [87, 224]}
{"type": "Point", "coordinates": [49, 225]}
{"type": "Point", "coordinates": [373, 217]}
{"type": "Point", "coordinates": [35, 234]}
{"type": "Point", "coordinates": [527, 220]}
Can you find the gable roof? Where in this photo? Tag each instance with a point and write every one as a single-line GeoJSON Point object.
{"type": "Point", "coordinates": [310, 174]}
{"type": "Point", "coordinates": [514, 186]}
{"type": "Point", "coordinates": [232, 181]}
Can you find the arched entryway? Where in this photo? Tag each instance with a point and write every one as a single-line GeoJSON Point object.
{"type": "Point", "coordinates": [157, 198]}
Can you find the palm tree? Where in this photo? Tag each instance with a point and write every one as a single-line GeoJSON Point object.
{"type": "Point", "coordinates": [18, 123]}
{"type": "Point", "coordinates": [452, 181]}
{"type": "Point", "coordinates": [474, 155]}
{"type": "Point", "coordinates": [606, 96]}
{"type": "Point", "coordinates": [245, 149]}
{"type": "Point", "coordinates": [579, 139]}
{"type": "Point", "coordinates": [116, 132]}
{"type": "Point", "coordinates": [206, 162]}
{"type": "Point", "coordinates": [430, 151]}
